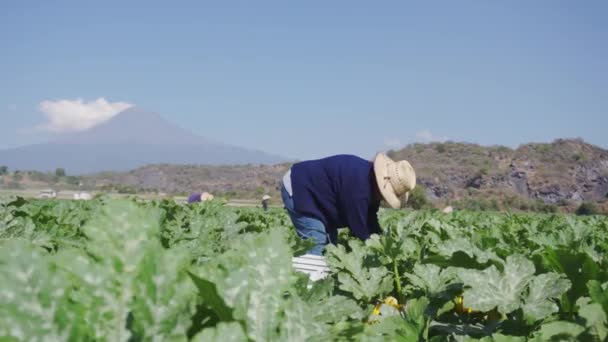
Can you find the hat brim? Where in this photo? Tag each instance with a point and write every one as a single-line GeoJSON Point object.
{"type": "Point", "coordinates": [381, 162]}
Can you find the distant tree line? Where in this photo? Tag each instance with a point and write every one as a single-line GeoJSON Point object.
{"type": "Point", "coordinates": [58, 176]}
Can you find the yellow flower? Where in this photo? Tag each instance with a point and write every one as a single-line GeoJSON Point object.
{"type": "Point", "coordinates": [376, 311]}
{"type": "Point", "coordinates": [392, 301]}
{"type": "Point", "coordinates": [460, 308]}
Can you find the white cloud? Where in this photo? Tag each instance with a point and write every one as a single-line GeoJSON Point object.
{"type": "Point", "coordinates": [426, 136]}
{"type": "Point", "coordinates": [78, 115]}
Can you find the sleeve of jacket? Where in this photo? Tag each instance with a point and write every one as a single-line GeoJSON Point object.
{"type": "Point", "coordinates": [358, 218]}
{"type": "Point", "coordinates": [372, 220]}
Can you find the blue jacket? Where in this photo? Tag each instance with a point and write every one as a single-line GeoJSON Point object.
{"type": "Point", "coordinates": [339, 191]}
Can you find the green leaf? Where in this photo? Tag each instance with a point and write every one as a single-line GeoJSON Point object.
{"type": "Point", "coordinates": [209, 294]}
{"type": "Point", "coordinates": [490, 288]}
{"type": "Point", "coordinates": [506, 338]}
{"type": "Point", "coordinates": [493, 338]}
{"type": "Point", "coordinates": [578, 267]}
{"type": "Point", "coordinates": [337, 308]}
{"type": "Point", "coordinates": [408, 328]}
{"type": "Point", "coordinates": [415, 311]}
{"type": "Point", "coordinates": [465, 245]}
{"type": "Point", "coordinates": [558, 331]}
{"type": "Point", "coordinates": [34, 299]}
{"type": "Point", "coordinates": [252, 279]}
{"type": "Point", "coordinates": [165, 296]}
{"type": "Point", "coordinates": [595, 318]}
{"type": "Point", "coordinates": [392, 246]}
{"type": "Point", "coordinates": [543, 288]}
{"type": "Point", "coordinates": [363, 282]}
{"type": "Point", "coordinates": [320, 291]}
{"type": "Point", "coordinates": [366, 284]}
{"type": "Point", "coordinates": [298, 323]}
{"type": "Point", "coordinates": [598, 294]}
{"type": "Point", "coordinates": [121, 235]}
{"type": "Point", "coordinates": [431, 279]}
{"type": "Point", "coordinates": [126, 259]}
{"type": "Point", "coordinates": [223, 332]}
{"type": "Point", "coordinates": [393, 328]}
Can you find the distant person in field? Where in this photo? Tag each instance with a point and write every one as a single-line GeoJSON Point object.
{"type": "Point", "coordinates": [265, 200]}
{"type": "Point", "coordinates": [199, 197]}
{"type": "Point", "coordinates": [343, 191]}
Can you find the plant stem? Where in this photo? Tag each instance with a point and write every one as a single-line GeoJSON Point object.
{"type": "Point", "coordinates": [398, 283]}
{"type": "Point", "coordinates": [426, 329]}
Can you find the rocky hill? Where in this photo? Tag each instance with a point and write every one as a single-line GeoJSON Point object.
{"type": "Point", "coordinates": [536, 176]}
{"type": "Point", "coordinates": [241, 181]}
{"type": "Point", "coordinates": [565, 172]}
{"type": "Point", "coordinates": [562, 172]}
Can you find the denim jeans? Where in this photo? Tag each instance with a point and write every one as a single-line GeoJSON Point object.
{"type": "Point", "coordinates": [306, 227]}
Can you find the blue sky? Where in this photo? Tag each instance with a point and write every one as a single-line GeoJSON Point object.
{"type": "Point", "coordinates": [309, 78]}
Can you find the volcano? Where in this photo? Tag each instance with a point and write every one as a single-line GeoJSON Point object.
{"type": "Point", "coordinates": [128, 140]}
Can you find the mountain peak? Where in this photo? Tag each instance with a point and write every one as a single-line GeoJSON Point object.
{"type": "Point", "coordinates": [130, 139]}
{"type": "Point", "coordinates": [135, 125]}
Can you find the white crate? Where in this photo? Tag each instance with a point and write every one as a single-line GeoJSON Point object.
{"type": "Point", "coordinates": [313, 265]}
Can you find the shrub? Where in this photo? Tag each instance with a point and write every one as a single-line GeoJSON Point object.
{"type": "Point", "coordinates": [13, 185]}
{"type": "Point", "coordinates": [60, 172]}
{"type": "Point", "coordinates": [540, 206]}
{"type": "Point", "coordinates": [417, 199]}
{"type": "Point", "coordinates": [72, 180]}
{"type": "Point", "coordinates": [126, 189]}
{"type": "Point", "coordinates": [577, 157]}
{"type": "Point", "coordinates": [587, 208]}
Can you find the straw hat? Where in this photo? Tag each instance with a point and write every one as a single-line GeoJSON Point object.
{"type": "Point", "coordinates": [395, 179]}
{"type": "Point", "coordinates": [205, 196]}
{"type": "Point", "coordinates": [265, 198]}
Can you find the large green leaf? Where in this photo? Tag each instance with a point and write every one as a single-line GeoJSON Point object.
{"type": "Point", "coordinates": [34, 299]}
{"type": "Point", "coordinates": [354, 276]}
{"type": "Point", "coordinates": [493, 338]}
{"type": "Point", "coordinates": [538, 304]}
{"type": "Point", "coordinates": [578, 267]}
{"type": "Point", "coordinates": [223, 332]}
{"type": "Point", "coordinates": [337, 308]}
{"type": "Point", "coordinates": [165, 297]}
{"type": "Point", "coordinates": [598, 294]}
{"type": "Point", "coordinates": [22, 313]}
{"type": "Point", "coordinates": [516, 287]}
{"type": "Point", "coordinates": [121, 236]}
{"type": "Point", "coordinates": [433, 280]}
{"type": "Point", "coordinates": [595, 319]}
{"type": "Point", "coordinates": [408, 328]}
{"type": "Point", "coordinates": [461, 244]}
{"type": "Point", "coordinates": [490, 288]}
{"type": "Point", "coordinates": [252, 280]}
{"type": "Point", "coordinates": [298, 323]}
{"type": "Point", "coordinates": [558, 331]}
{"type": "Point", "coordinates": [92, 289]}
{"type": "Point", "coordinates": [393, 246]}
{"type": "Point", "coordinates": [210, 297]}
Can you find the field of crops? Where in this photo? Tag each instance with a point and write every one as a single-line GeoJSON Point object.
{"type": "Point", "coordinates": [110, 270]}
